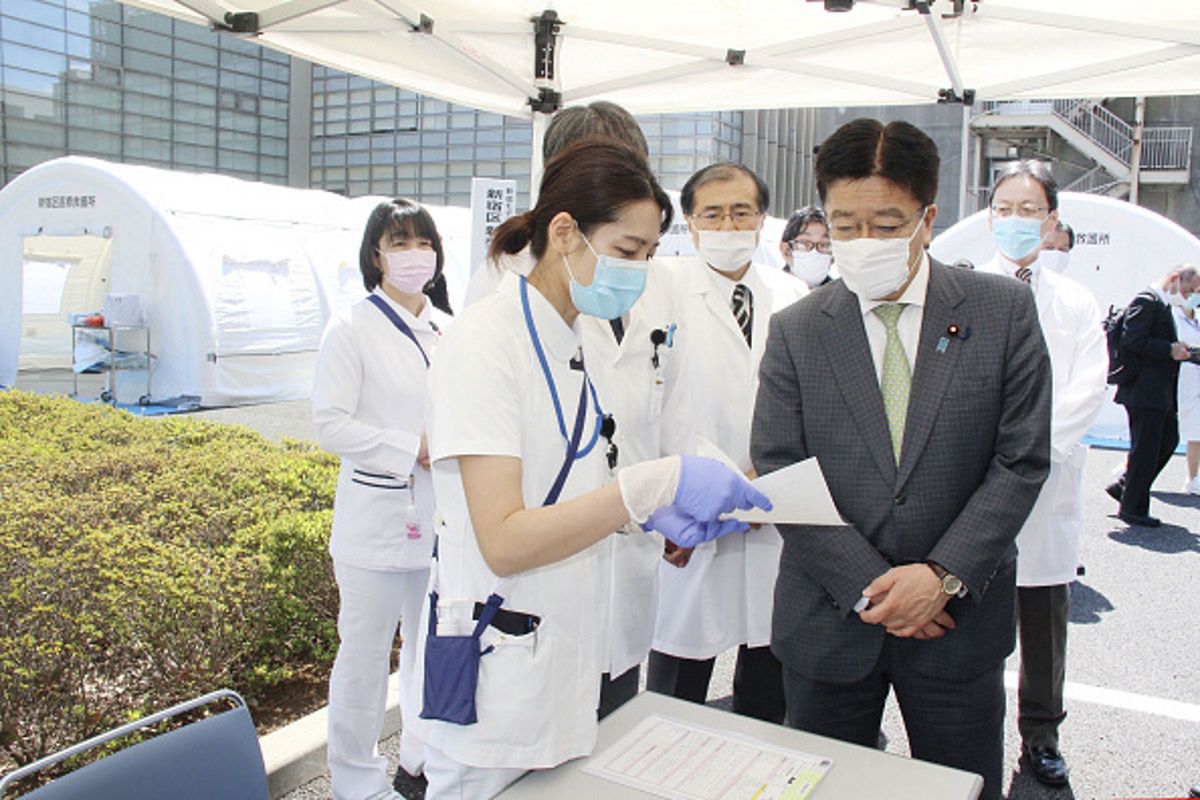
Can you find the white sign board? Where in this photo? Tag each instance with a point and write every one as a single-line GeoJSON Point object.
{"type": "Point", "coordinates": [493, 200]}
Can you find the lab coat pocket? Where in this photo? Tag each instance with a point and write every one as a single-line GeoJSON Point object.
{"type": "Point", "coordinates": [517, 686]}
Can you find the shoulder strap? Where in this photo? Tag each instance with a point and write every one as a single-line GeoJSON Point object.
{"type": "Point", "coordinates": [400, 324]}
{"type": "Point", "coordinates": [572, 448]}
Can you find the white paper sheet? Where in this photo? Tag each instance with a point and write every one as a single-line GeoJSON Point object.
{"type": "Point", "coordinates": [798, 492]}
{"type": "Point", "coordinates": [671, 758]}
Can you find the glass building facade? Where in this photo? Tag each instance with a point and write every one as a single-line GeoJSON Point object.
{"type": "Point", "coordinates": [97, 78]}
{"type": "Point", "coordinates": [370, 138]}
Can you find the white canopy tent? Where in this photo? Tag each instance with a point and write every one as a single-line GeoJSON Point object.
{"type": "Point", "coordinates": [235, 280]}
{"type": "Point", "coordinates": [520, 57]}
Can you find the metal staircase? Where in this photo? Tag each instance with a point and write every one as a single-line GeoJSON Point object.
{"type": "Point", "coordinates": [1102, 136]}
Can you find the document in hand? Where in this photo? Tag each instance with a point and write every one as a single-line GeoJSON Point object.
{"type": "Point", "coordinates": [798, 492]}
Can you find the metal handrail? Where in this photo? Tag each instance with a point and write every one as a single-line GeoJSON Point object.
{"type": "Point", "coordinates": [1163, 147]}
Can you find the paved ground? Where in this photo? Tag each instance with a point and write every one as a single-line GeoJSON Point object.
{"type": "Point", "coordinates": [1133, 728]}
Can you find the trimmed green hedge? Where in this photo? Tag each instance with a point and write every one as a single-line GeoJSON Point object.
{"type": "Point", "coordinates": [143, 562]}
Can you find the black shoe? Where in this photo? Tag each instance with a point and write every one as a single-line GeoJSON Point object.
{"type": "Point", "coordinates": [412, 787]}
{"type": "Point", "coordinates": [1115, 490]}
{"type": "Point", "coordinates": [1194, 791]}
{"type": "Point", "coordinates": [1138, 519]}
{"type": "Point", "coordinates": [1048, 766]}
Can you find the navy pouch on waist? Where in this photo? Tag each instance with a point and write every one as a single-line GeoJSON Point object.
{"type": "Point", "coordinates": [452, 667]}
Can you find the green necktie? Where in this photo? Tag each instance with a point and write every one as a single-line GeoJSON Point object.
{"type": "Point", "coordinates": [896, 379]}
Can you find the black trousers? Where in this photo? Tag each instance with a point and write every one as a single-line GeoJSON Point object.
{"type": "Point", "coordinates": [956, 723]}
{"type": "Point", "coordinates": [1153, 437]}
{"type": "Point", "coordinates": [616, 692]}
{"type": "Point", "coordinates": [757, 681]}
{"type": "Point", "coordinates": [1042, 613]}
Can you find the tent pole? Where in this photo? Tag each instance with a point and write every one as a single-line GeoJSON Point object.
{"type": "Point", "coordinates": [540, 121]}
{"type": "Point", "coordinates": [965, 155]}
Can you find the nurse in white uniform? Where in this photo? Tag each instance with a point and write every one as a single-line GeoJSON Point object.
{"type": "Point", "coordinates": [369, 400]}
{"type": "Point", "coordinates": [512, 636]}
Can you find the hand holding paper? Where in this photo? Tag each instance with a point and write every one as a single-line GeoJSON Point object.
{"type": "Point", "coordinates": [798, 493]}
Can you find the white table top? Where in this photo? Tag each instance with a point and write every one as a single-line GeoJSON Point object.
{"type": "Point", "coordinates": [857, 772]}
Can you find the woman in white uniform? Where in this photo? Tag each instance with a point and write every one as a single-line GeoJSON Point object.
{"type": "Point", "coordinates": [369, 401]}
{"type": "Point", "coordinates": [1187, 324]}
{"type": "Point", "coordinates": [512, 636]}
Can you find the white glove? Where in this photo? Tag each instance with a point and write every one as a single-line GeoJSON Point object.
{"type": "Point", "coordinates": [648, 486]}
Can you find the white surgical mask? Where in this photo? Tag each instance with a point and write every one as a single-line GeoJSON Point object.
{"type": "Point", "coordinates": [874, 268]}
{"type": "Point", "coordinates": [1055, 260]}
{"type": "Point", "coordinates": [810, 266]}
{"type": "Point", "coordinates": [727, 251]}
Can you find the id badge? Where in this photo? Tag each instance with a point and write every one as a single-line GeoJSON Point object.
{"type": "Point", "coordinates": [656, 395]}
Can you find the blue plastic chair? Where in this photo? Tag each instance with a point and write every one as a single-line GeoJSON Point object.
{"type": "Point", "coordinates": [215, 757]}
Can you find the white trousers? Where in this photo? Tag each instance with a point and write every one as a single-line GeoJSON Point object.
{"type": "Point", "coordinates": [450, 780]}
{"type": "Point", "coordinates": [373, 602]}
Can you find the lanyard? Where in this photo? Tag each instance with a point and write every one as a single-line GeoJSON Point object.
{"type": "Point", "coordinates": [537, 347]}
{"type": "Point", "coordinates": [400, 324]}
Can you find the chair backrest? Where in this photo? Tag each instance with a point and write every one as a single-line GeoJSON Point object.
{"type": "Point", "coordinates": [217, 756]}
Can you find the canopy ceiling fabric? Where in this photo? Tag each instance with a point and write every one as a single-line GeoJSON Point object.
{"type": "Point", "coordinates": [659, 57]}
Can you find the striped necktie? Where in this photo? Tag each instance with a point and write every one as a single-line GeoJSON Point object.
{"type": "Point", "coordinates": [896, 378]}
{"type": "Point", "coordinates": [743, 310]}
{"type": "Point", "coordinates": [1025, 274]}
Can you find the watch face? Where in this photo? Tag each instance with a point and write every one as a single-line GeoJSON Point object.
{"type": "Point", "coordinates": [951, 585]}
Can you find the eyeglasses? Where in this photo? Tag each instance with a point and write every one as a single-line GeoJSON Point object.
{"type": "Point", "coordinates": [824, 248]}
{"type": "Point", "coordinates": [743, 218]}
{"type": "Point", "coordinates": [1024, 210]}
{"type": "Point", "coordinates": [843, 229]}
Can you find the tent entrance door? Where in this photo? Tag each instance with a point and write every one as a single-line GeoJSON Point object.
{"type": "Point", "coordinates": [61, 275]}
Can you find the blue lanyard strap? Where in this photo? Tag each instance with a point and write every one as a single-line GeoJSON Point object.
{"type": "Point", "coordinates": [541, 354]}
{"type": "Point", "coordinates": [400, 324]}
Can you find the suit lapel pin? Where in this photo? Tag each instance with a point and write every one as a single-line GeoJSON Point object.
{"type": "Point", "coordinates": [958, 331]}
{"type": "Point", "coordinates": [942, 344]}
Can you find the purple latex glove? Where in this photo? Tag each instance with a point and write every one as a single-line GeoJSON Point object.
{"type": "Point", "coordinates": [687, 531]}
{"type": "Point", "coordinates": [707, 489]}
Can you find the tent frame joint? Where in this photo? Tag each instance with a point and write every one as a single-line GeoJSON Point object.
{"type": "Point", "coordinates": [239, 23]}
{"type": "Point", "coordinates": [546, 28]}
{"type": "Point", "coordinates": [735, 58]}
{"type": "Point", "coordinates": [425, 25]}
{"type": "Point", "coordinates": [950, 96]}
{"type": "Point", "coordinates": [548, 100]}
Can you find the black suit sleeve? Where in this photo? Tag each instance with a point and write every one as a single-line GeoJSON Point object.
{"type": "Point", "coordinates": [1138, 337]}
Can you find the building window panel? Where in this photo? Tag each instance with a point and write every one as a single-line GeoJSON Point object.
{"type": "Point", "coordinates": [19, 105]}
{"type": "Point", "coordinates": [33, 59]}
{"type": "Point", "coordinates": [150, 42]}
{"type": "Point", "coordinates": [100, 119]}
{"type": "Point", "coordinates": [199, 53]}
{"type": "Point", "coordinates": [27, 33]}
{"type": "Point", "coordinates": [96, 142]}
{"type": "Point", "coordinates": [136, 147]}
{"type": "Point", "coordinates": [23, 156]}
{"type": "Point", "coordinates": [36, 132]}
{"type": "Point", "coordinates": [148, 83]}
{"type": "Point", "coordinates": [53, 16]}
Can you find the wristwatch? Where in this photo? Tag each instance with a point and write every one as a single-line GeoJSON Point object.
{"type": "Point", "coordinates": [951, 584]}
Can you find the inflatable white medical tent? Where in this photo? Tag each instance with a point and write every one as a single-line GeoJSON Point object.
{"type": "Point", "coordinates": [234, 279]}
{"type": "Point", "coordinates": [1120, 248]}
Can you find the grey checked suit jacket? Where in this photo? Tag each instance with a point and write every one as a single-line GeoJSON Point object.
{"type": "Point", "coordinates": [976, 452]}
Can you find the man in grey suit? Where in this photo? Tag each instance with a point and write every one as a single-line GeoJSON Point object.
{"type": "Point", "coordinates": [924, 392]}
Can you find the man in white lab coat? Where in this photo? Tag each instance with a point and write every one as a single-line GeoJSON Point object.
{"type": "Point", "coordinates": [721, 594]}
{"type": "Point", "coordinates": [1024, 212]}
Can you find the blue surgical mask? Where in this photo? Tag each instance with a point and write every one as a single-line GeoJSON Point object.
{"type": "Point", "coordinates": [1017, 237]}
{"type": "Point", "coordinates": [616, 285]}
{"type": "Point", "coordinates": [1193, 301]}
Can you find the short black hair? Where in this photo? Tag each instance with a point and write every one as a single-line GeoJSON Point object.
{"type": "Point", "coordinates": [1039, 171]}
{"type": "Point", "coordinates": [601, 118]}
{"type": "Point", "coordinates": [402, 214]}
{"type": "Point", "coordinates": [722, 171]}
{"type": "Point", "coordinates": [1069, 231]}
{"type": "Point", "coordinates": [800, 219]}
{"type": "Point", "coordinates": [898, 151]}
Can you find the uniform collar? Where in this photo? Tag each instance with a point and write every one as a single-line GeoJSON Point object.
{"type": "Point", "coordinates": [559, 340]}
{"type": "Point", "coordinates": [423, 319]}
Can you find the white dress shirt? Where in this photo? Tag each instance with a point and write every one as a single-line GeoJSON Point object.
{"type": "Point", "coordinates": [909, 323]}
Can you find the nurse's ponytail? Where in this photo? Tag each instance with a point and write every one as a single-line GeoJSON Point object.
{"type": "Point", "coordinates": [592, 180]}
{"type": "Point", "coordinates": [513, 235]}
